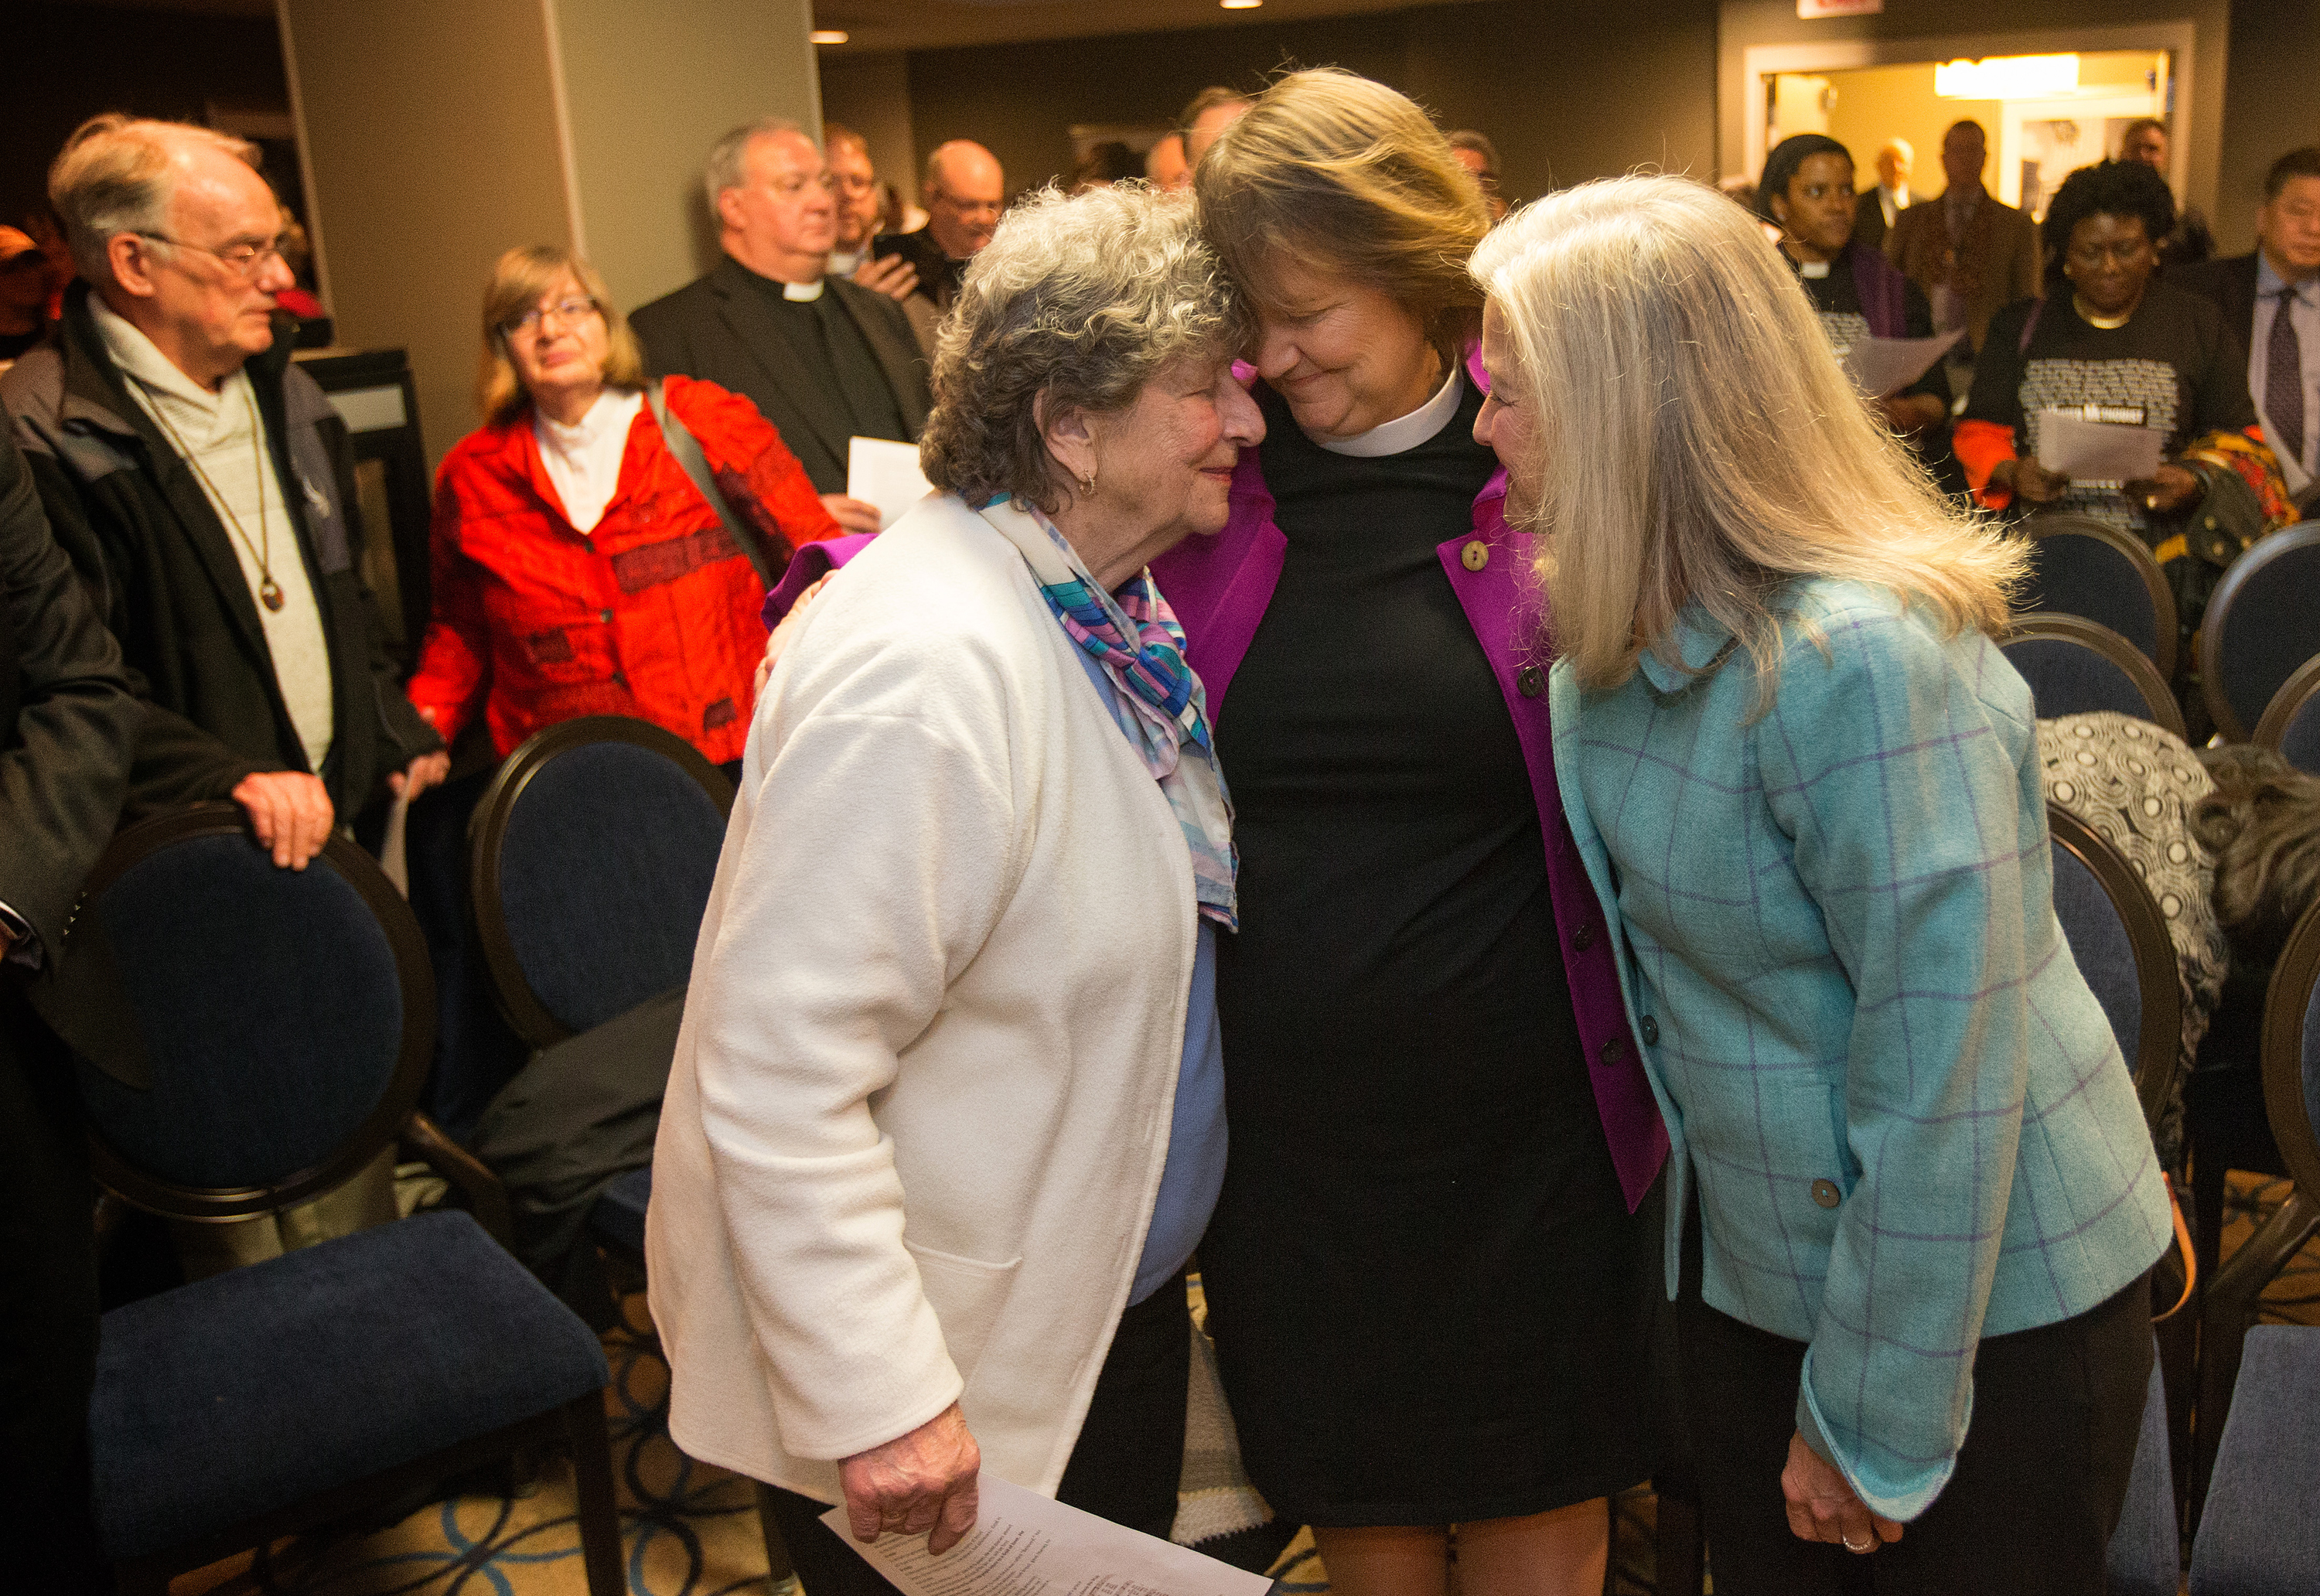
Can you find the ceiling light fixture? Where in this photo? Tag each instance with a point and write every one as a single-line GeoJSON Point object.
{"type": "Point", "coordinates": [1240, 5]}
{"type": "Point", "coordinates": [828, 36]}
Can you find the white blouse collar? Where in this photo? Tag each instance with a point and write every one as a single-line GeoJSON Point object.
{"type": "Point", "coordinates": [1404, 434]}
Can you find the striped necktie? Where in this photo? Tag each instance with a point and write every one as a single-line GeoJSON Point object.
{"type": "Point", "coordinates": [2283, 381]}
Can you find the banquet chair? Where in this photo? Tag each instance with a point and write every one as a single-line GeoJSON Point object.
{"type": "Point", "coordinates": [280, 1023]}
{"type": "Point", "coordinates": [2074, 665]}
{"type": "Point", "coordinates": [2290, 726]}
{"type": "Point", "coordinates": [2261, 1533]}
{"type": "Point", "coordinates": [2088, 568]}
{"type": "Point", "coordinates": [2260, 625]}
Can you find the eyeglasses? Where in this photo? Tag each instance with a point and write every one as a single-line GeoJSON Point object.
{"type": "Point", "coordinates": [2099, 255]}
{"type": "Point", "coordinates": [965, 207]}
{"type": "Point", "coordinates": [844, 184]}
{"type": "Point", "coordinates": [244, 260]}
{"type": "Point", "coordinates": [565, 310]}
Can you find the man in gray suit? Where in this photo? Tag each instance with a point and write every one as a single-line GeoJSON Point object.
{"type": "Point", "coordinates": [822, 359]}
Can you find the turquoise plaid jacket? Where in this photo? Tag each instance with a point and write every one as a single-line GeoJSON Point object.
{"type": "Point", "coordinates": [1904, 1113]}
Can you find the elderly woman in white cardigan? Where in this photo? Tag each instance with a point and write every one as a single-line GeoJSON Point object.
{"type": "Point", "coordinates": [947, 1115]}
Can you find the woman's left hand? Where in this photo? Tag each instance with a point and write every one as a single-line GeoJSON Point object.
{"type": "Point", "coordinates": [2165, 490]}
{"type": "Point", "coordinates": [1824, 1506]}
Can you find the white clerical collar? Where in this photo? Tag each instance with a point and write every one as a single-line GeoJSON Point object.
{"type": "Point", "coordinates": [842, 262]}
{"type": "Point", "coordinates": [802, 293]}
{"type": "Point", "coordinates": [1403, 433]}
{"type": "Point", "coordinates": [1812, 268]}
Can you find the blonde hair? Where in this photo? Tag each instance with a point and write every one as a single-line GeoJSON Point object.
{"type": "Point", "coordinates": [1697, 440]}
{"type": "Point", "coordinates": [1078, 302]}
{"type": "Point", "coordinates": [115, 176]}
{"type": "Point", "coordinates": [518, 280]}
{"type": "Point", "coordinates": [1346, 175]}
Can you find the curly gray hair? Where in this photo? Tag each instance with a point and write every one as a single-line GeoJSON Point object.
{"type": "Point", "coordinates": [1078, 301]}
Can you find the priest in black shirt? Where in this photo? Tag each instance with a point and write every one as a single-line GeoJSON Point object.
{"type": "Point", "coordinates": [1807, 192]}
{"type": "Point", "coordinates": [823, 360]}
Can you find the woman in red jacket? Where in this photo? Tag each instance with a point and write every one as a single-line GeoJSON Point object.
{"type": "Point", "coordinates": [577, 570]}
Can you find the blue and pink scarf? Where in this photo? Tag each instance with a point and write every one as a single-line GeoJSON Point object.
{"type": "Point", "coordinates": [1156, 698]}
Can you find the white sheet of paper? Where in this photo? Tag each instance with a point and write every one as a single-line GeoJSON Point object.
{"type": "Point", "coordinates": [2095, 452]}
{"type": "Point", "coordinates": [1883, 366]}
{"type": "Point", "coordinates": [1024, 1544]}
{"type": "Point", "coordinates": [879, 471]}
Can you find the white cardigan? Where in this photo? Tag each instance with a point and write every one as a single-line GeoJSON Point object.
{"type": "Point", "coordinates": [921, 1102]}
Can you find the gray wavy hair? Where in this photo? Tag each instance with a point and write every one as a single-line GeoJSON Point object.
{"type": "Point", "coordinates": [728, 163]}
{"type": "Point", "coordinates": [1078, 302]}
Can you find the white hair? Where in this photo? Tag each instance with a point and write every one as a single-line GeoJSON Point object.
{"type": "Point", "coordinates": [116, 175]}
{"type": "Point", "coordinates": [728, 157]}
{"type": "Point", "coordinates": [1697, 440]}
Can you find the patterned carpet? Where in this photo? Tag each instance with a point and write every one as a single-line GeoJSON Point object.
{"type": "Point", "coordinates": [689, 1529]}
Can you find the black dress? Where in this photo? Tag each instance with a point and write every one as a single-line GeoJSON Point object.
{"type": "Point", "coordinates": [1417, 1273]}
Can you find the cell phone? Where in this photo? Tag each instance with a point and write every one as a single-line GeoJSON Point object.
{"type": "Point", "coordinates": [888, 243]}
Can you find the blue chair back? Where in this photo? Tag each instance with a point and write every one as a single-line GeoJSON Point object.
{"type": "Point", "coordinates": [2260, 626]}
{"type": "Point", "coordinates": [2074, 666]}
{"type": "Point", "coordinates": [2118, 940]}
{"type": "Point", "coordinates": [2081, 566]}
{"type": "Point", "coordinates": [283, 1018]}
{"type": "Point", "coordinates": [593, 854]}
{"type": "Point", "coordinates": [2290, 726]}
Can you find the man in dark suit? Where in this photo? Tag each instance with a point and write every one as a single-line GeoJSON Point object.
{"type": "Point", "coordinates": [1877, 209]}
{"type": "Point", "coordinates": [822, 359]}
{"type": "Point", "coordinates": [1973, 255]}
{"type": "Point", "coordinates": [67, 726]}
{"type": "Point", "coordinates": [2271, 301]}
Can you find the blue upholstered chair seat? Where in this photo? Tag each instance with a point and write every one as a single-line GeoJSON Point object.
{"type": "Point", "coordinates": [411, 1338]}
{"type": "Point", "coordinates": [2068, 679]}
{"type": "Point", "coordinates": [2146, 1556]}
{"type": "Point", "coordinates": [2261, 1532]}
{"type": "Point", "coordinates": [619, 1216]}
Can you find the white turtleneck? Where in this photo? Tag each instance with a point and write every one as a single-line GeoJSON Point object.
{"type": "Point", "coordinates": [583, 459]}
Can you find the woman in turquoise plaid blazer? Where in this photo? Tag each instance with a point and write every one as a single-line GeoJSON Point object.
{"type": "Point", "coordinates": [1908, 1168]}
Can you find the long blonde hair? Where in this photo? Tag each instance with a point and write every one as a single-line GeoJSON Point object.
{"type": "Point", "coordinates": [1697, 441]}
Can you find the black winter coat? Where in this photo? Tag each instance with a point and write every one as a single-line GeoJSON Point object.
{"type": "Point", "coordinates": [130, 511]}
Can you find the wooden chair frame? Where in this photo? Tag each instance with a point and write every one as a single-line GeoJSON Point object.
{"type": "Point", "coordinates": [2279, 714]}
{"type": "Point", "coordinates": [2233, 1289]}
{"type": "Point", "coordinates": [2212, 629]}
{"type": "Point", "coordinates": [2159, 1055]}
{"type": "Point", "coordinates": [487, 835]}
{"type": "Point", "coordinates": [2167, 624]}
{"type": "Point", "coordinates": [2157, 697]}
{"type": "Point", "coordinates": [578, 1423]}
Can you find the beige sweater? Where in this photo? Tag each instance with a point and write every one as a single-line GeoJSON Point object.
{"type": "Point", "coordinates": [921, 1102]}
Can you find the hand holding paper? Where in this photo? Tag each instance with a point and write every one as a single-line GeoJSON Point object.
{"type": "Point", "coordinates": [1024, 1544]}
{"type": "Point", "coordinates": [2097, 453]}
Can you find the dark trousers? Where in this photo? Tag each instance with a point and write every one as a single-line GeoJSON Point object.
{"type": "Point", "coordinates": [1124, 1467]}
{"type": "Point", "coordinates": [2038, 1488]}
{"type": "Point", "coordinates": [48, 1335]}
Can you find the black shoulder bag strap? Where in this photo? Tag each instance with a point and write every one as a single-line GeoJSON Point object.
{"type": "Point", "coordinates": [686, 447]}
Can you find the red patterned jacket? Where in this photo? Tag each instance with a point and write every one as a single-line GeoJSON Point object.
{"type": "Point", "coordinates": [654, 613]}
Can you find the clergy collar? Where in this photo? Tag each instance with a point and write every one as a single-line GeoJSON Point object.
{"type": "Point", "coordinates": [1404, 434]}
{"type": "Point", "coordinates": [802, 293]}
{"type": "Point", "coordinates": [1812, 268]}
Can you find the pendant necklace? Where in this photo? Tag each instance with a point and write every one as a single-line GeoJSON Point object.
{"type": "Point", "coordinates": [261, 548]}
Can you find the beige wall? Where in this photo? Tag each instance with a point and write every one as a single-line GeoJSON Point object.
{"type": "Point", "coordinates": [871, 94]}
{"type": "Point", "coordinates": [432, 145]}
{"type": "Point", "coordinates": [650, 89]}
{"type": "Point", "coordinates": [1880, 102]}
{"type": "Point", "coordinates": [2273, 107]}
{"type": "Point", "coordinates": [439, 134]}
